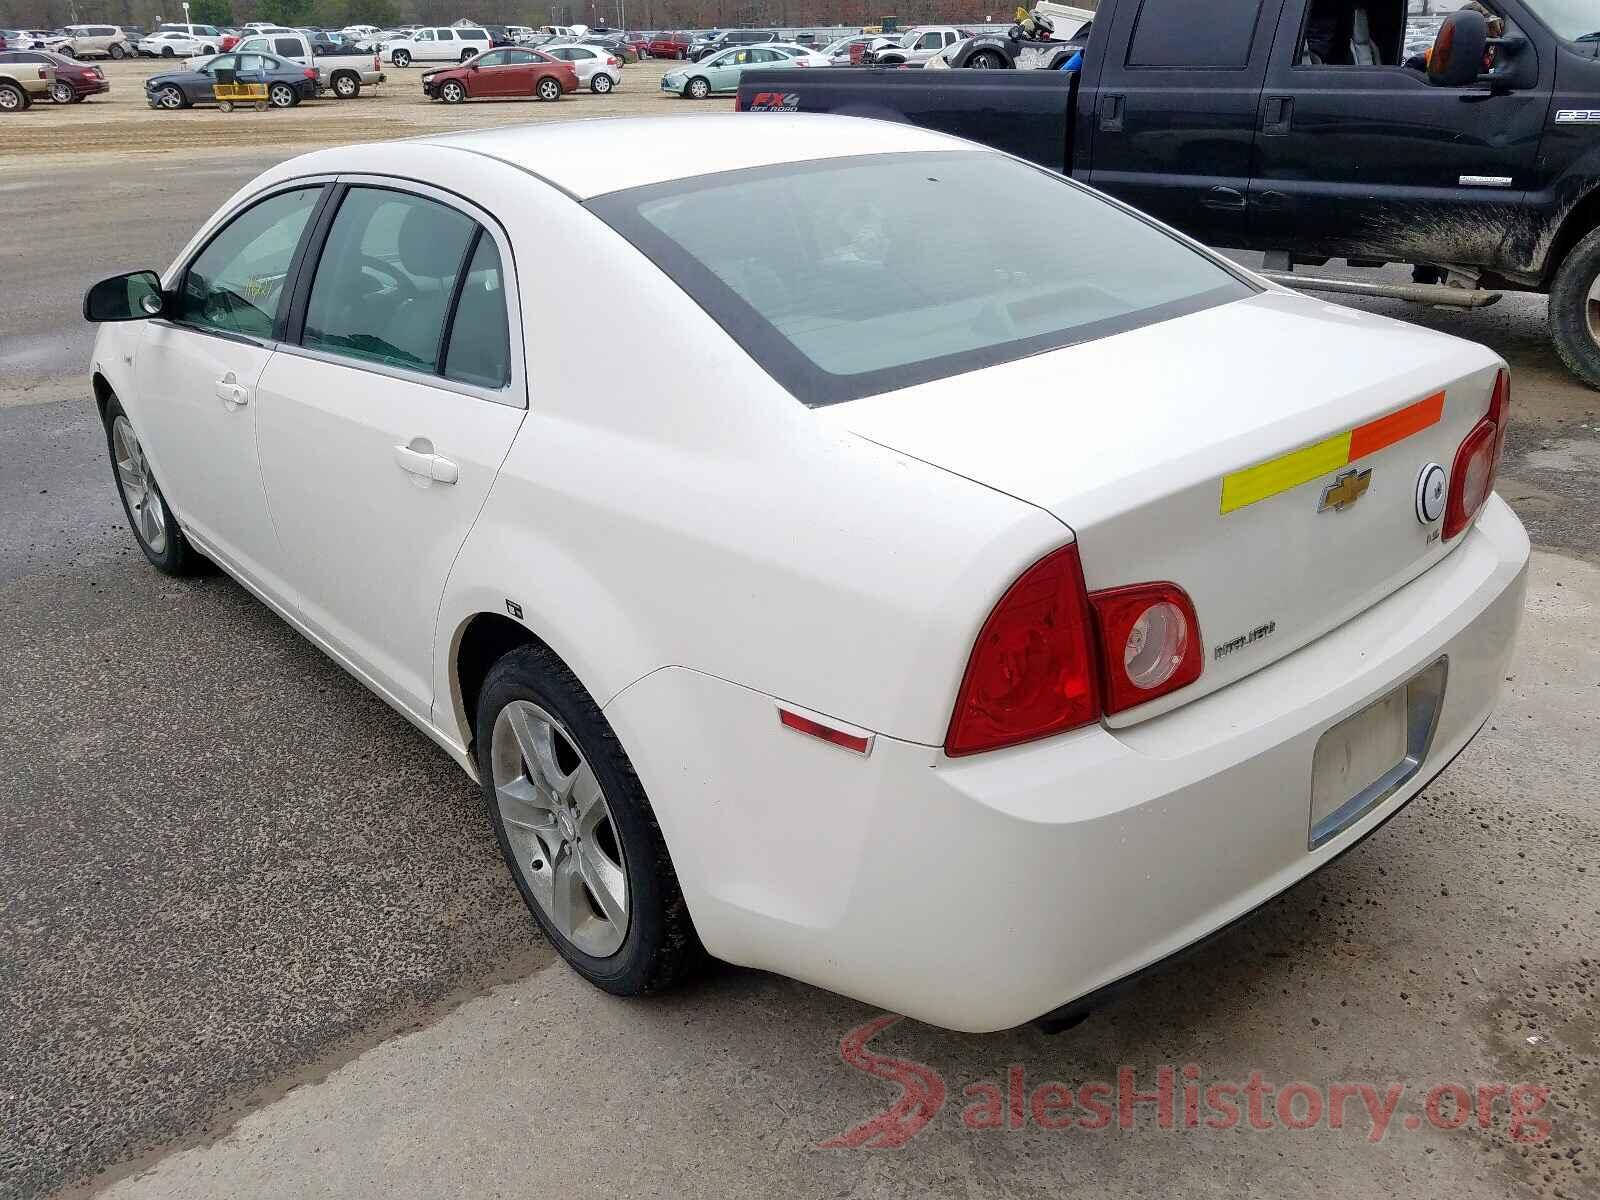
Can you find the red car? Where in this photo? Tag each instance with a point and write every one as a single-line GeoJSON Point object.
{"type": "Point", "coordinates": [75, 81]}
{"type": "Point", "coordinates": [500, 74]}
{"type": "Point", "coordinates": [668, 45]}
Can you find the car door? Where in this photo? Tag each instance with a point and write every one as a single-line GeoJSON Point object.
{"type": "Point", "coordinates": [444, 48]}
{"type": "Point", "coordinates": [1373, 160]}
{"type": "Point", "coordinates": [1179, 87]}
{"type": "Point", "coordinates": [197, 373]}
{"type": "Point", "coordinates": [252, 69]}
{"type": "Point", "coordinates": [423, 48]}
{"type": "Point", "coordinates": [725, 73]}
{"type": "Point", "coordinates": [385, 416]}
{"type": "Point", "coordinates": [484, 76]}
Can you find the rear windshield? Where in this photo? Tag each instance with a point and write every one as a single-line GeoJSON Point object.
{"type": "Point", "coordinates": [854, 276]}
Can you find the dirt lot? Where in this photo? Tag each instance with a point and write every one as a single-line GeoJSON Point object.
{"type": "Point", "coordinates": [121, 123]}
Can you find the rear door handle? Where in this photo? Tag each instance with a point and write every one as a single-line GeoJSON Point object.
{"type": "Point", "coordinates": [1279, 119]}
{"type": "Point", "coordinates": [426, 464]}
{"type": "Point", "coordinates": [1112, 110]}
{"type": "Point", "coordinates": [231, 392]}
{"type": "Point", "coordinates": [1225, 198]}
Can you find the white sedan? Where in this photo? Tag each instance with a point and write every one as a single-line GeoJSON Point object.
{"type": "Point", "coordinates": [962, 624]}
{"type": "Point", "coordinates": [175, 45]}
{"type": "Point", "coordinates": [598, 69]}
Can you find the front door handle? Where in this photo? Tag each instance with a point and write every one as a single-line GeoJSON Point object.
{"type": "Point", "coordinates": [426, 464]}
{"type": "Point", "coordinates": [231, 392]}
{"type": "Point", "coordinates": [1279, 119]}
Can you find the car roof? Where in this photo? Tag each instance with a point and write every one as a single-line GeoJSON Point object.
{"type": "Point", "coordinates": [591, 158]}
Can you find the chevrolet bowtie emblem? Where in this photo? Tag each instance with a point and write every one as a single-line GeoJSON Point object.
{"type": "Point", "coordinates": [1345, 490]}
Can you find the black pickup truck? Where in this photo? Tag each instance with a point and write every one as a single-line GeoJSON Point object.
{"type": "Point", "coordinates": [1303, 129]}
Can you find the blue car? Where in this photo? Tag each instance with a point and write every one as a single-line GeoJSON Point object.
{"type": "Point", "coordinates": [286, 83]}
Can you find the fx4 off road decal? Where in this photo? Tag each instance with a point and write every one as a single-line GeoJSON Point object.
{"type": "Point", "coordinates": [775, 102]}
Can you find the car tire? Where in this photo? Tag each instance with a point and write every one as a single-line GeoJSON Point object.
{"type": "Point", "coordinates": [281, 95]}
{"type": "Point", "coordinates": [601, 83]}
{"type": "Point", "coordinates": [543, 745]}
{"type": "Point", "coordinates": [166, 52]}
{"type": "Point", "coordinates": [208, 49]}
{"type": "Point", "coordinates": [548, 89]}
{"type": "Point", "coordinates": [12, 98]}
{"type": "Point", "coordinates": [985, 60]}
{"type": "Point", "coordinates": [401, 59]}
{"type": "Point", "coordinates": [1575, 310]}
{"type": "Point", "coordinates": [170, 96]}
{"type": "Point", "coordinates": [452, 92]}
{"type": "Point", "coordinates": [117, 52]}
{"type": "Point", "coordinates": [697, 88]}
{"type": "Point", "coordinates": [154, 527]}
{"type": "Point", "coordinates": [61, 92]}
{"type": "Point", "coordinates": [346, 86]}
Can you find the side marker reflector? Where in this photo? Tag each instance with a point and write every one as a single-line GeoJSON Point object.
{"type": "Point", "coordinates": [854, 742]}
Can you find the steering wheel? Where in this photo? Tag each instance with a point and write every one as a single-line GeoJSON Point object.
{"type": "Point", "coordinates": [398, 283]}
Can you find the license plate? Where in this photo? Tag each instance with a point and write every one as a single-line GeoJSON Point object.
{"type": "Point", "coordinates": [1368, 756]}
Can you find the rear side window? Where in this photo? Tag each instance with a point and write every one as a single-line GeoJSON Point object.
{"type": "Point", "coordinates": [236, 282]}
{"type": "Point", "coordinates": [1182, 33]}
{"type": "Point", "coordinates": [480, 343]}
{"type": "Point", "coordinates": [408, 282]}
{"type": "Point", "coordinates": [286, 46]}
{"type": "Point", "coordinates": [853, 276]}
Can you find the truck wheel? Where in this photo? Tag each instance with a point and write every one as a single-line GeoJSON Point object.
{"type": "Point", "coordinates": [346, 86]}
{"type": "Point", "coordinates": [117, 52]}
{"type": "Point", "coordinates": [401, 59]}
{"type": "Point", "coordinates": [12, 98]}
{"type": "Point", "coordinates": [985, 60]}
{"type": "Point", "coordinates": [1575, 310]}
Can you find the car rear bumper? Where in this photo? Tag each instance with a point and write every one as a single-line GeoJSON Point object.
{"type": "Point", "coordinates": [982, 893]}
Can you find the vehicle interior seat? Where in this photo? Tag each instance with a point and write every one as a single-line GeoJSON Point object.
{"type": "Point", "coordinates": [1354, 33]}
{"type": "Point", "coordinates": [1363, 51]}
{"type": "Point", "coordinates": [430, 261]}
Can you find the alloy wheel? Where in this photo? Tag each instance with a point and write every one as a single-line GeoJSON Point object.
{"type": "Point", "coordinates": [281, 95]}
{"type": "Point", "coordinates": [549, 89]}
{"type": "Point", "coordinates": [563, 841]}
{"type": "Point", "coordinates": [453, 93]}
{"type": "Point", "coordinates": [61, 92]}
{"type": "Point", "coordinates": [133, 477]}
{"type": "Point", "coordinates": [10, 99]}
{"type": "Point", "coordinates": [1592, 309]}
{"type": "Point", "coordinates": [170, 97]}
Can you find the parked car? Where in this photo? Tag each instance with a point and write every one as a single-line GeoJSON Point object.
{"type": "Point", "coordinates": [613, 44]}
{"type": "Point", "coordinates": [56, 42]}
{"type": "Point", "coordinates": [668, 45]}
{"type": "Point", "coordinates": [664, 696]}
{"type": "Point", "coordinates": [437, 44]}
{"type": "Point", "coordinates": [98, 41]}
{"type": "Point", "coordinates": [75, 81]}
{"type": "Point", "coordinates": [732, 37]}
{"type": "Point", "coordinates": [801, 56]}
{"type": "Point", "coordinates": [172, 44]}
{"type": "Point", "coordinates": [24, 79]}
{"type": "Point", "coordinates": [846, 51]}
{"type": "Point", "coordinates": [915, 46]}
{"type": "Point", "coordinates": [209, 35]}
{"type": "Point", "coordinates": [597, 70]}
{"type": "Point", "coordinates": [287, 83]}
{"type": "Point", "coordinates": [341, 68]}
{"type": "Point", "coordinates": [720, 73]}
{"type": "Point", "coordinates": [502, 74]}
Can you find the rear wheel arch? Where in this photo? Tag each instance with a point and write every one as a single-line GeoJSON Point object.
{"type": "Point", "coordinates": [482, 640]}
{"type": "Point", "coordinates": [1582, 220]}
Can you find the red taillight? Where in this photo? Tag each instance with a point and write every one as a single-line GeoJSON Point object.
{"type": "Point", "coordinates": [310, 72]}
{"type": "Point", "coordinates": [1478, 461]}
{"type": "Point", "coordinates": [1149, 640]}
{"type": "Point", "coordinates": [1032, 671]}
{"type": "Point", "coordinates": [614, 61]}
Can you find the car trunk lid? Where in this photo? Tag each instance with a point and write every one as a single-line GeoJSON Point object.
{"type": "Point", "coordinates": [1263, 455]}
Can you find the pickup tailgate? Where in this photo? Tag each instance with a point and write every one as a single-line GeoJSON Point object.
{"type": "Point", "coordinates": [1173, 452]}
{"type": "Point", "coordinates": [1026, 113]}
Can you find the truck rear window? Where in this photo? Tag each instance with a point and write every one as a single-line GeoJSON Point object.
{"type": "Point", "coordinates": [849, 277]}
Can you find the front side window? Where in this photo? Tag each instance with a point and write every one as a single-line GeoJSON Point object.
{"type": "Point", "coordinates": [386, 278]}
{"type": "Point", "coordinates": [854, 276]}
{"type": "Point", "coordinates": [225, 62]}
{"type": "Point", "coordinates": [1574, 20]}
{"type": "Point", "coordinates": [236, 282]}
{"type": "Point", "coordinates": [930, 41]}
{"type": "Point", "coordinates": [425, 36]}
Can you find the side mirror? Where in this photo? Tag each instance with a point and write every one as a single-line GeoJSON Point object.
{"type": "Point", "coordinates": [132, 297]}
{"type": "Point", "coordinates": [1457, 58]}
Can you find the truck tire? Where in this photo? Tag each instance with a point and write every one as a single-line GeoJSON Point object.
{"type": "Point", "coordinates": [986, 60]}
{"type": "Point", "coordinates": [12, 98]}
{"type": "Point", "coordinates": [117, 52]}
{"type": "Point", "coordinates": [346, 85]}
{"type": "Point", "coordinates": [401, 58]}
{"type": "Point", "coordinates": [1575, 310]}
